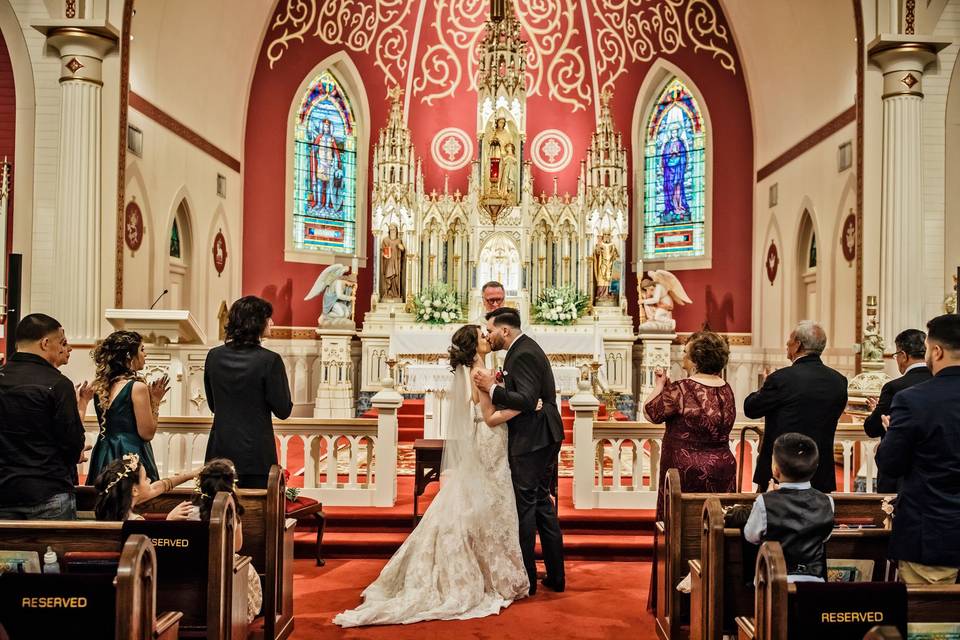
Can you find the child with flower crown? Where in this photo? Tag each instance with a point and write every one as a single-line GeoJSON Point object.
{"type": "Point", "coordinates": [216, 476]}
{"type": "Point", "coordinates": [123, 484]}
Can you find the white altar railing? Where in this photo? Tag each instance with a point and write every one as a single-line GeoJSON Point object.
{"type": "Point", "coordinates": [346, 462]}
{"type": "Point", "coordinates": [616, 464]}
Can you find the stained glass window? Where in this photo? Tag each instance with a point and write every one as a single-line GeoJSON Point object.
{"type": "Point", "coordinates": [175, 240]}
{"type": "Point", "coordinates": [325, 170]}
{"type": "Point", "coordinates": [674, 170]}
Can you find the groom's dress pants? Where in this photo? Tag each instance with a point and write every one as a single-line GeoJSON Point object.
{"type": "Point", "coordinates": [532, 480]}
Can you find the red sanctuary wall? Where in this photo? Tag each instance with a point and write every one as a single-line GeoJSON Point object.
{"type": "Point", "coordinates": [564, 79]}
{"type": "Point", "coordinates": [8, 128]}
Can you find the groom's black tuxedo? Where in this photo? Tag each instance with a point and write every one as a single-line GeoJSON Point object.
{"type": "Point", "coordinates": [527, 378]}
{"type": "Point", "coordinates": [534, 439]}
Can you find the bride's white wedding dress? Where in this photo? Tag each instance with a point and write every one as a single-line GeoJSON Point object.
{"type": "Point", "coordinates": [463, 560]}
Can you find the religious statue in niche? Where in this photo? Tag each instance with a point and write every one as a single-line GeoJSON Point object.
{"type": "Point", "coordinates": [392, 255]}
{"type": "Point", "coordinates": [661, 291]}
{"type": "Point", "coordinates": [339, 292]}
{"type": "Point", "coordinates": [501, 164]}
{"type": "Point", "coordinates": [326, 170]}
{"type": "Point", "coordinates": [605, 257]}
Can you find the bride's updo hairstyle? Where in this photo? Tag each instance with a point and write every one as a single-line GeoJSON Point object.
{"type": "Point", "coordinates": [463, 349]}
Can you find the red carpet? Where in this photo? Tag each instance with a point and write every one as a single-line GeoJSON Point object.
{"type": "Point", "coordinates": [371, 532]}
{"type": "Point", "coordinates": [603, 600]}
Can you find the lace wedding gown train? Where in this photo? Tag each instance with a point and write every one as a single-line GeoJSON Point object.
{"type": "Point", "coordinates": [463, 560]}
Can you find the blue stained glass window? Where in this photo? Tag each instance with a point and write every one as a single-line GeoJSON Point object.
{"type": "Point", "coordinates": [325, 170]}
{"type": "Point", "coordinates": [674, 170]}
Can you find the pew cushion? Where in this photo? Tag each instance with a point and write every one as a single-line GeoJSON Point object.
{"type": "Point", "coordinates": [302, 506]}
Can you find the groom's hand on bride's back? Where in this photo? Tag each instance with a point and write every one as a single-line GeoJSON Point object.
{"type": "Point", "coordinates": [484, 380]}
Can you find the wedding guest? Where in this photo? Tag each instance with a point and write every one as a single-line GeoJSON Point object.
{"type": "Point", "coordinates": [216, 476]}
{"type": "Point", "coordinates": [123, 484]}
{"type": "Point", "coordinates": [808, 397]}
{"type": "Point", "coordinates": [245, 384]}
{"type": "Point", "coordinates": [41, 434]}
{"type": "Point", "coordinates": [84, 390]}
{"type": "Point", "coordinates": [127, 406]}
{"type": "Point", "coordinates": [922, 447]}
{"type": "Point", "coordinates": [699, 412]}
{"type": "Point", "coordinates": [909, 356]}
{"type": "Point", "coordinates": [794, 514]}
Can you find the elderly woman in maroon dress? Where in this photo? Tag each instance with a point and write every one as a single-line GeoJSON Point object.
{"type": "Point", "coordinates": [699, 411]}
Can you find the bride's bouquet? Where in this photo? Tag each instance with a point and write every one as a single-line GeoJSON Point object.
{"type": "Point", "coordinates": [560, 305]}
{"type": "Point", "coordinates": [438, 304]}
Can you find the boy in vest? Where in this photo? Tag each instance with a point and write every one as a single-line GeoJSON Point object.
{"type": "Point", "coordinates": [796, 515]}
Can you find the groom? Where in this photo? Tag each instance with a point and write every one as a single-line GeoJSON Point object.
{"type": "Point", "coordinates": [534, 439]}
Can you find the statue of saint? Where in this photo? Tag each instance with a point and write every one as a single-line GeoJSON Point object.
{"type": "Point", "coordinates": [605, 254]}
{"type": "Point", "coordinates": [496, 147]}
{"type": "Point", "coordinates": [392, 253]}
{"type": "Point", "coordinates": [508, 181]}
{"type": "Point", "coordinates": [325, 169]}
{"type": "Point", "coordinates": [660, 292]}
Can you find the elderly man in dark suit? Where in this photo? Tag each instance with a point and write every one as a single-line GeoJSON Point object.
{"type": "Point", "coordinates": [808, 397]}
{"type": "Point", "coordinates": [911, 349]}
{"type": "Point", "coordinates": [922, 446]}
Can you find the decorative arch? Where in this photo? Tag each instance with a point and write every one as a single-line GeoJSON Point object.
{"type": "Point", "coordinates": [328, 139]}
{"type": "Point", "coordinates": [499, 259]}
{"type": "Point", "coordinates": [771, 321]}
{"type": "Point", "coordinates": [136, 185]}
{"type": "Point", "coordinates": [672, 152]}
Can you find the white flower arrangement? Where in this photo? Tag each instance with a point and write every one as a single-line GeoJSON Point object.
{"type": "Point", "coordinates": [560, 305]}
{"type": "Point", "coordinates": [438, 304]}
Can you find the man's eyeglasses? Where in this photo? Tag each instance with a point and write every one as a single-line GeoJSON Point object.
{"type": "Point", "coordinates": [899, 353]}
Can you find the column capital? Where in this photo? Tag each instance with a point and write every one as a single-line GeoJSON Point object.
{"type": "Point", "coordinates": [81, 50]}
{"type": "Point", "coordinates": [902, 60]}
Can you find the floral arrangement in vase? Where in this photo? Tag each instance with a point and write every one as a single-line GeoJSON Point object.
{"type": "Point", "coordinates": [438, 304]}
{"type": "Point", "coordinates": [560, 305]}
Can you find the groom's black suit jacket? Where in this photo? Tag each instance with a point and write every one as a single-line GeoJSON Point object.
{"type": "Point", "coordinates": [527, 378]}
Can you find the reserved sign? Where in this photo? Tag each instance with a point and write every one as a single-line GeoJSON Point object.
{"type": "Point", "coordinates": [836, 610]}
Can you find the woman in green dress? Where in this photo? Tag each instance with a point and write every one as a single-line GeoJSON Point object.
{"type": "Point", "coordinates": [127, 405]}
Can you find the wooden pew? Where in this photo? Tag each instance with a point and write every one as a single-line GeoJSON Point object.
{"type": "Point", "coordinates": [267, 539]}
{"type": "Point", "coordinates": [217, 612]}
{"type": "Point", "coordinates": [719, 591]}
{"type": "Point", "coordinates": [775, 600]}
{"type": "Point", "coordinates": [677, 543]}
{"type": "Point", "coordinates": [120, 605]}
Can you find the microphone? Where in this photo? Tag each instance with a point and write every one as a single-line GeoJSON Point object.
{"type": "Point", "coordinates": [165, 291]}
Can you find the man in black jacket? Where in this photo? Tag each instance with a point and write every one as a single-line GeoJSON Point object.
{"type": "Point", "coordinates": [534, 439]}
{"type": "Point", "coordinates": [913, 369]}
{"type": "Point", "coordinates": [808, 397]}
{"type": "Point", "coordinates": [922, 447]}
{"type": "Point", "coordinates": [41, 433]}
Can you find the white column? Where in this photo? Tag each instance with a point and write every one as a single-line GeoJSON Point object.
{"type": "Point", "coordinates": [77, 223]}
{"type": "Point", "coordinates": [902, 62]}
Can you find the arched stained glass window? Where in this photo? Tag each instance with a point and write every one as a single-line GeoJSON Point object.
{"type": "Point", "coordinates": [325, 169]}
{"type": "Point", "coordinates": [175, 240]}
{"type": "Point", "coordinates": [674, 176]}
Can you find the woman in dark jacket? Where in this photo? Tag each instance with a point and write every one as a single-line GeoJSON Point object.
{"type": "Point", "coordinates": [245, 384]}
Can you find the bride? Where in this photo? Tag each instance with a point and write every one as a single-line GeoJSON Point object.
{"type": "Point", "coordinates": [463, 560]}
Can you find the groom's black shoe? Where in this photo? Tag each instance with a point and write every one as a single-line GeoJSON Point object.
{"type": "Point", "coordinates": [555, 585]}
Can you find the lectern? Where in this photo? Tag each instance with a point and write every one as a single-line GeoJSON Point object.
{"type": "Point", "coordinates": [176, 347]}
{"type": "Point", "coordinates": [158, 326]}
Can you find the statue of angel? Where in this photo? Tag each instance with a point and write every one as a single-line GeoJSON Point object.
{"type": "Point", "coordinates": [338, 295]}
{"type": "Point", "coordinates": [661, 290]}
